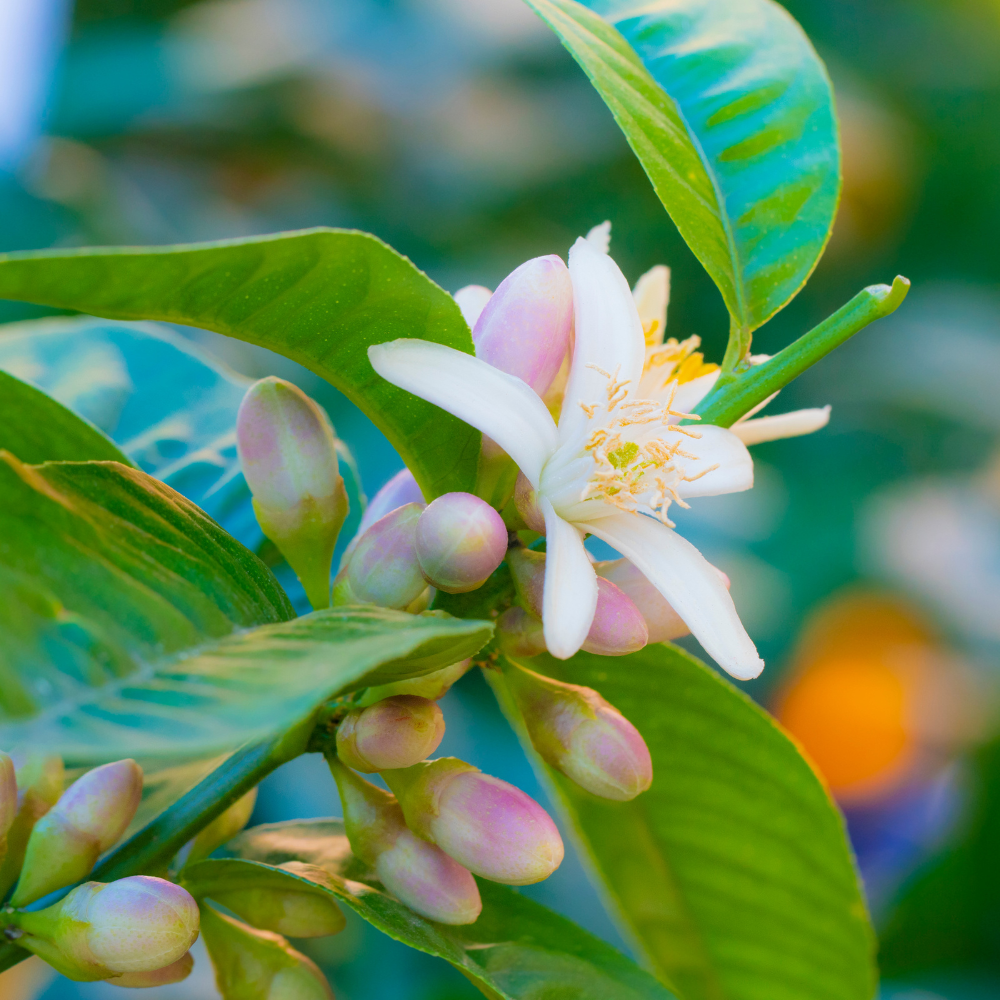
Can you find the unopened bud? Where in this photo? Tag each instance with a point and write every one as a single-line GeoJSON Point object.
{"type": "Point", "coordinates": [287, 449]}
{"type": "Point", "coordinates": [618, 627]}
{"type": "Point", "coordinates": [39, 785]}
{"type": "Point", "coordinates": [520, 633]}
{"type": "Point", "coordinates": [472, 301]}
{"type": "Point", "coordinates": [176, 972]}
{"type": "Point", "coordinates": [383, 568]}
{"type": "Point", "coordinates": [393, 733]}
{"type": "Point", "coordinates": [460, 541]}
{"type": "Point", "coordinates": [256, 964]}
{"type": "Point", "coordinates": [137, 924]}
{"type": "Point", "coordinates": [432, 686]}
{"type": "Point", "coordinates": [223, 828]}
{"type": "Point", "coordinates": [485, 824]}
{"type": "Point", "coordinates": [416, 872]}
{"type": "Point", "coordinates": [527, 568]}
{"type": "Point", "coordinates": [577, 732]}
{"type": "Point", "coordinates": [401, 489]}
{"type": "Point", "coordinates": [298, 913]}
{"type": "Point", "coordinates": [89, 818]}
{"type": "Point", "coordinates": [526, 503]}
{"type": "Point", "coordinates": [525, 327]}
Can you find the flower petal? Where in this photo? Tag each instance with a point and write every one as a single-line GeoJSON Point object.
{"type": "Point", "coordinates": [569, 598]}
{"type": "Point", "coordinates": [689, 582]}
{"type": "Point", "coordinates": [652, 294]}
{"type": "Point", "coordinates": [781, 425]}
{"type": "Point", "coordinates": [472, 301]}
{"type": "Point", "coordinates": [609, 335]}
{"type": "Point", "coordinates": [500, 405]}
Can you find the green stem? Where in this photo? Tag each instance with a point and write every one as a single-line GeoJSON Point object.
{"type": "Point", "coordinates": [735, 394]}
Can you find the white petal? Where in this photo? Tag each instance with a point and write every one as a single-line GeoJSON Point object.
{"type": "Point", "coordinates": [782, 425]}
{"type": "Point", "coordinates": [599, 237]}
{"type": "Point", "coordinates": [472, 301]}
{"type": "Point", "coordinates": [690, 394]}
{"type": "Point", "coordinates": [608, 335]}
{"type": "Point", "coordinates": [689, 582]}
{"type": "Point", "coordinates": [500, 405]}
{"type": "Point", "coordinates": [569, 598]}
{"type": "Point", "coordinates": [651, 294]}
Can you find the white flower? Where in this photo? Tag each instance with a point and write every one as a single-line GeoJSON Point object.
{"type": "Point", "coordinates": [617, 460]}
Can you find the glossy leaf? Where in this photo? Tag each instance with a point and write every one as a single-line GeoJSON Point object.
{"type": "Point", "coordinates": [36, 428]}
{"type": "Point", "coordinates": [320, 297]}
{"type": "Point", "coordinates": [730, 112]}
{"type": "Point", "coordinates": [122, 607]}
{"type": "Point", "coordinates": [516, 950]}
{"type": "Point", "coordinates": [733, 871]}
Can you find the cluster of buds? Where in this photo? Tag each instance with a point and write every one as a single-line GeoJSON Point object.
{"type": "Point", "coordinates": [133, 932]}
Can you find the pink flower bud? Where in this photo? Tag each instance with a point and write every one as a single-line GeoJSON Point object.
{"type": "Point", "coordinates": [383, 569]}
{"type": "Point", "coordinates": [393, 733]}
{"type": "Point", "coordinates": [89, 818]}
{"type": "Point", "coordinates": [525, 327]}
{"type": "Point", "coordinates": [287, 449]}
{"type": "Point", "coordinates": [618, 627]}
{"type": "Point", "coordinates": [520, 633]}
{"type": "Point", "coordinates": [416, 872]}
{"type": "Point", "coordinates": [176, 972]}
{"type": "Point", "coordinates": [401, 489]}
{"type": "Point", "coordinates": [485, 824]}
{"type": "Point", "coordinates": [460, 541]}
{"type": "Point", "coordinates": [472, 301]}
{"type": "Point", "coordinates": [577, 732]}
{"type": "Point", "coordinates": [526, 502]}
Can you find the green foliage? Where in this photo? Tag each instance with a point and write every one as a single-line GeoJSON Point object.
{"type": "Point", "coordinates": [36, 428]}
{"type": "Point", "coordinates": [733, 870]}
{"type": "Point", "coordinates": [730, 112]}
{"type": "Point", "coordinates": [320, 297]}
{"type": "Point", "coordinates": [516, 950]}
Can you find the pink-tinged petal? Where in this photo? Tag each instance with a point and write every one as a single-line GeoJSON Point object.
{"type": "Point", "coordinates": [689, 582]}
{"type": "Point", "coordinates": [570, 596]}
{"type": "Point", "coordinates": [495, 403]}
{"type": "Point", "coordinates": [472, 301]}
{"type": "Point", "coordinates": [781, 425]}
{"type": "Point", "coordinates": [609, 336]}
{"type": "Point", "coordinates": [525, 328]}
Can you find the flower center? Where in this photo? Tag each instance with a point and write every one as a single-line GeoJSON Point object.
{"type": "Point", "coordinates": [674, 362]}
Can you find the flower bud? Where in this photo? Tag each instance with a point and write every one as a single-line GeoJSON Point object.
{"type": "Point", "coordinates": [527, 568]}
{"type": "Point", "coordinates": [524, 328]}
{"type": "Point", "coordinates": [89, 818]}
{"type": "Point", "coordinates": [8, 800]}
{"type": "Point", "coordinates": [40, 783]}
{"type": "Point", "coordinates": [417, 873]}
{"type": "Point", "coordinates": [302, 913]}
{"type": "Point", "coordinates": [383, 569]}
{"type": "Point", "coordinates": [287, 449]}
{"type": "Point", "coordinates": [393, 733]}
{"type": "Point", "coordinates": [485, 824]}
{"type": "Point", "coordinates": [254, 964]}
{"type": "Point", "coordinates": [432, 686]}
{"type": "Point", "coordinates": [401, 489]}
{"type": "Point", "coordinates": [137, 924]}
{"type": "Point", "coordinates": [460, 541]}
{"type": "Point", "coordinates": [577, 732]}
{"type": "Point", "coordinates": [223, 828]}
{"type": "Point", "coordinates": [472, 301]}
{"type": "Point", "coordinates": [520, 633]}
{"type": "Point", "coordinates": [526, 503]}
{"type": "Point", "coordinates": [174, 973]}
{"type": "Point", "coordinates": [618, 627]}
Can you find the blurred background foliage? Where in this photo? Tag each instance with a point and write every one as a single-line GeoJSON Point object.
{"type": "Point", "coordinates": [866, 562]}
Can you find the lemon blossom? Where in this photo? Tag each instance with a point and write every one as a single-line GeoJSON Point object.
{"type": "Point", "coordinates": [616, 461]}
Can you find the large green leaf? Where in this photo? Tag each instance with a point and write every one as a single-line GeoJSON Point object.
{"type": "Point", "coordinates": [516, 950]}
{"type": "Point", "coordinates": [733, 871]}
{"type": "Point", "coordinates": [35, 428]}
{"type": "Point", "coordinates": [730, 111]}
{"type": "Point", "coordinates": [320, 297]}
{"type": "Point", "coordinates": [124, 611]}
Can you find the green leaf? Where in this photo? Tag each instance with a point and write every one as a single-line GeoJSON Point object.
{"type": "Point", "coordinates": [35, 428]}
{"type": "Point", "coordinates": [320, 297]}
{"type": "Point", "coordinates": [730, 112]}
{"type": "Point", "coordinates": [516, 950]}
{"type": "Point", "coordinates": [733, 871]}
{"type": "Point", "coordinates": [123, 609]}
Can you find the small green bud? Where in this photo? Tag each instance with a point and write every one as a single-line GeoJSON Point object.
{"type": "Point", "coordinates": [39, 785]}
{"type": "Point", "coordinates": [432, 686]}
{"type": "Point", "coordinates": [89, 818]}
{"type": "Point", "coordinates": [137, 924]}
{"type": "Point", "coordinates": [393, 733]}
{"type": "Point", "coordinates": [298, 914]}
{"type": "Point", "coordinates": [287, 449]}
{"type": "Point", "coordinates": [176, 972]}
{"type": "Point", "coordinates": [223, 828]}
{"type": "Point", "coordinates": [252, 964]}
{"type": "Point", "coordinates": [8, 800]}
